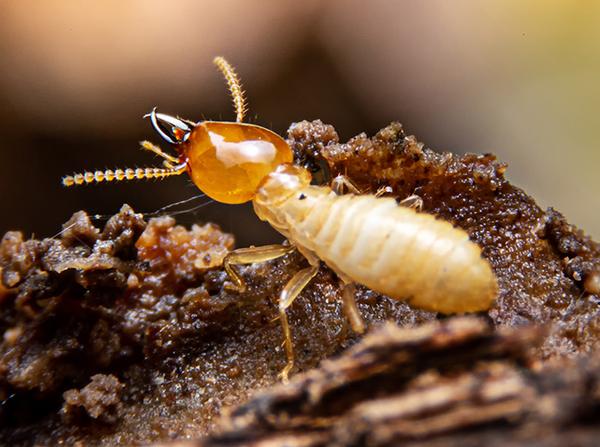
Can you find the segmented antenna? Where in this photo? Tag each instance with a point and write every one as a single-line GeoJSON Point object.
{"type": "Point", "coordinates": [235, 87]}
{"type": "Point", "coordinates": [121, 174]}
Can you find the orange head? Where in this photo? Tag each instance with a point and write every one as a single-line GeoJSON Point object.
{"type": "Point", "coordinates": [226, 160]}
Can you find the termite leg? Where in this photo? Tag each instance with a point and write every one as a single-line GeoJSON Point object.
{"type": "Point", "coordinates": [340, 182]}
{"type": "Point", "coordinates": [158, 151]}
{"type": "Point", "coordinates": [289, 293]}
{"type": "Point", "coordinates": [351, 309]}
{"type": "Point", "coordinates": [382, 191]}
{"type": "Point", "coordinates": [413, 201]}
{"type": "Point", "coordinates": [251, 255]}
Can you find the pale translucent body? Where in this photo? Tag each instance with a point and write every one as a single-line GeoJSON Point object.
{"type": "Point", "coordinates": [391, 249]}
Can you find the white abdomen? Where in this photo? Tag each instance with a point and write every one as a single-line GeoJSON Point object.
{"type": "Point", "coordinates": [389, 248]}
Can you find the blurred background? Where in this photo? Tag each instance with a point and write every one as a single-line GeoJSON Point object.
{"type": "Point", "coordinates": [516, 78]}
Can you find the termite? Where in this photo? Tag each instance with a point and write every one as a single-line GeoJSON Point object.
{"type": "Point", "coordinates": [364, 238]}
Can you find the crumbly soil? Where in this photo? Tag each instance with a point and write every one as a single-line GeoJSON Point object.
{"type": "Point", "coordinates": [459, 382]}
{"type": "Point", "coordinates": [129, 334]}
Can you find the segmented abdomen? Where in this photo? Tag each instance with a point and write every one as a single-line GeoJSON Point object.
{"type": "Point", "coordinates": [389, 248]}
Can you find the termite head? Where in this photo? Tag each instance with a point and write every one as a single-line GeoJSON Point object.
{"type": "Point", "coordinates": [228, 161]}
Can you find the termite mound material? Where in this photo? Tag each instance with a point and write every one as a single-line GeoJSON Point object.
{"type": "Point", "coordinates": [451, 383]}
{"type": "Point", "coordinates": [127, 334]}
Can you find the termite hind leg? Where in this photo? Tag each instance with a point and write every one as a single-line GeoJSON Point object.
{"type": "Point", "coordinates": [413, 201]}
{"type": "Point", "coordinates": [289, 293]}
{"type": "Point", "coordinates": [351, 309]}
{"type": "Point", "coordinates": [251, 255]}
{"type": "Point", "coordinates": [342, 181]}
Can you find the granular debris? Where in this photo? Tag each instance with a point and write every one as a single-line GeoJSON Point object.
{"type": "Point", "coordinates": [136, 316]}
{"type": "Point", "coordinates": [100, 399]}
{"type": "Point", "coordinates": [451, 383]}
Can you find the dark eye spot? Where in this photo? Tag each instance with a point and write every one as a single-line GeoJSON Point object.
{"type": "Point", "coordinates": [301, 197]}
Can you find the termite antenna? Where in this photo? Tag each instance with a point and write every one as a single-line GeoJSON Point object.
{"type": "Point", "coordinates": [235, 87]}
{"type": "Point", "coordinates": [118, 175]}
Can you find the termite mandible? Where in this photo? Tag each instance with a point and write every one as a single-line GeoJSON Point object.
{"type": "Point", "coordinates": [394, 250]}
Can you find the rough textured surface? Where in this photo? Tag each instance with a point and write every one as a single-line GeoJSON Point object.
{"type": "Point", "coordinates": [100, 399]}
{"type": "Point", "coordinates": [143, 308]}
{"type": "Point", "coordinates": [454, 383]}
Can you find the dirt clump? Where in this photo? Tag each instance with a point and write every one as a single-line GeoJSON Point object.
{"type": "Point", "coordinates": [100, 399]}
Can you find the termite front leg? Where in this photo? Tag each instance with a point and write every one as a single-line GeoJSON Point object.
{"type": "Point", "coordinates": [252, 255]}
{"type": "Point", "coordinates": [289, 293]}
{"type": "Point", "coordinates": [351, 309]}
